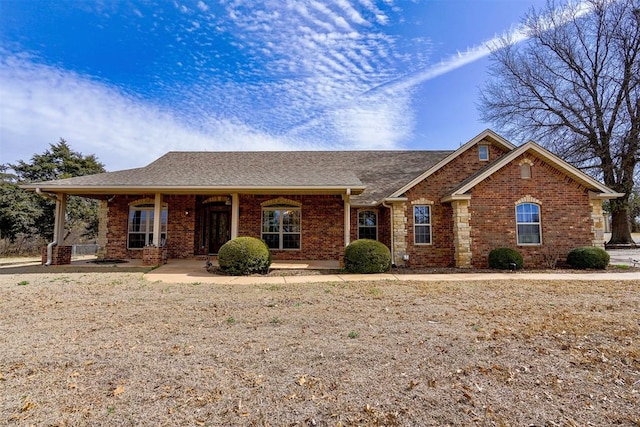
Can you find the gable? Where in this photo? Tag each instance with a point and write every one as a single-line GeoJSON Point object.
{"type": "Point", "coordinates": [466, 156]}
{"type": "Point", "coordinates": [536, 151]}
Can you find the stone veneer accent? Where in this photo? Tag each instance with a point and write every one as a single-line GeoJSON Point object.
{"type": "Point", "coordinates": [461, 233]}
{"type": "Point", "coordinates": [60, 255]}
{"type": "Point", "coordinates": [399, 221]}
{"type": "Point", "coordinates": [597, 229]}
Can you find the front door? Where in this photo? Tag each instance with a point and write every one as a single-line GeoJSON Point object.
{"type": "Point", "coordinates": [219, 230]}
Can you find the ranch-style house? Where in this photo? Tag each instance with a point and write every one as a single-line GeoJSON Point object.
{"type": "Point", "coordinates": [431, 208]}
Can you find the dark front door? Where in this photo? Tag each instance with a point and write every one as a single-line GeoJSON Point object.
{"type": "Point", "coordinates": [219, 230]}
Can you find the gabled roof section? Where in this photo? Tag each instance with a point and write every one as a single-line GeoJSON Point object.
{"type": "Point", "coordinates": [487, 134]}
{"type": "Point", "coordinates": [460, 192]}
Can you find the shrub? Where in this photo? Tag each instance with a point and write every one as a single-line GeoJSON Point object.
{"type": "Point", "coordinates": [588, 257]}
{"type": "Point", "coordinates": [243, 256]}
{"type": "Point", "coordinates": [504, 258]}
{"type": "Point", "coordinates": [367, 256]}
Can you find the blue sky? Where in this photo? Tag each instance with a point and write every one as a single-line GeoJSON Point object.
{"type": "Point", "coordinates": [130, 80]}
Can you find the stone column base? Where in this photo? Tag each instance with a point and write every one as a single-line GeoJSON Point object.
{"type": "Point", "coordinates": [152, 256]}
{"type": "Point", "coordinates": [60, 255]}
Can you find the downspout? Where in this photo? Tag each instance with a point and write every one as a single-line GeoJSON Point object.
{"type": "Point", "coordinates": [393, 258]}
{"type": "Point", "coordinates": [55, 237]}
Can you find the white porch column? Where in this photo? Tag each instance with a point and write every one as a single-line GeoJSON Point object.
{"type": "Point", "coordinates": [157, 220]}
{"type": "Point", "coordinates": [347, 217]}
{"type": "Point", "coordinates": [60, 212]}
{"type": "Point", "coordinates": [235, 215]}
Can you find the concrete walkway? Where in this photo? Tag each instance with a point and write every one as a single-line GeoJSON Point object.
{"type": "Point", "coordinates": [193, 271]}
{"type": "Point", "coordinates": [159, 275]}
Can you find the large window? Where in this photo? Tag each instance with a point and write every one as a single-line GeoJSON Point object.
{"type": "Point", "coordinates": [141, 226]}
{"type": "Point", "coordinates": [368, 225]}
{"type": "Point", "coordinates": [281, 227]}
{"type": "Point", "coordinates": [528, 224]}
{"type": "Point", "coordinates": [422, 225]}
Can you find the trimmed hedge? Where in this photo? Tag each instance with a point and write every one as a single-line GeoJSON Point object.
{"type": "Point", "coordinates": [588, 257]}
{"type": "Point", "coordinates": [244, 256]}
{"type": "Point", "coordinates": [366, 256]}
{"type": "Point", "coordinates": [504, 258]}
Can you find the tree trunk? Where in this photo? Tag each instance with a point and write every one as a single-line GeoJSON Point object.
{"type": "Point", "coordinates": [620, 225]}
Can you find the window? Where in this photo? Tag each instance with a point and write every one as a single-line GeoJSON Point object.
{"type": "Point", "coordinates": [528, 224]}
{"type": "Point", "coordinates": [422, 224]}
{"type": "Point", "coordinates": [483, 152]}
{"type": "Point", "coordinates": [141, 226]}
{"type": "Point", "coordinates": [368, 225]}
{"type": "Point", "coordinates": [525, 171]}
{"type": "Point", "coordinates": [281, 227]}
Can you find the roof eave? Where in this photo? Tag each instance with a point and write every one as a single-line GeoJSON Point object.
{"type": "Point", "coordinates": [250, 189]}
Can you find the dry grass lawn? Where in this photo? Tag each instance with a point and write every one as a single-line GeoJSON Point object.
{"type": "Point", "coordinates": [94, 349]}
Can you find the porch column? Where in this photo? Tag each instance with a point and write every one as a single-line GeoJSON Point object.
{"type": "Point", "coordinates": [597, 223]}
{"type": "Point", "coordinates": [103, 217]}
{"type": "Point", "coordinates": [58, 225]}
{"type": "Point", "coordinates": [56, 253]}
{"type": "Point", "coordinates": [235, 215]}
{"type": "Point", "coordinates": [157, 220]}
{"type": "Point", "coordinates": [461, 233]}
{"type": "Point", "coordinates": [347, 217]}
{"type": "Point", "coordinates": [399, 230]}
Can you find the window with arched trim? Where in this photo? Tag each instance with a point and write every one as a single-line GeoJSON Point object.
{"type": "Point", "coordinates": [525, 171]}
{"type": "Point", "coordinates": [368, 225]}
{"type": "Point", "coordinates": [528, 224]}
{"type": "Point", "coordinates": [281, 226]}
{"type": "Point", "coordinates": [140, 230]}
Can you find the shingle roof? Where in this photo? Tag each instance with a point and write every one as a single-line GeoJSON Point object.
{"type": "Point", "coordinates": [380, 172]}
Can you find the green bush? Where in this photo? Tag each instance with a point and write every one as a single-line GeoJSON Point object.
{"type": "Point", "coordinates": [243, 256]}
{"type": "Point", "coordinates": [588, 257]}
{"type": "Point", "coordinates": [367, 256]}
{"type": "Point", "coordinates": [504, 258]}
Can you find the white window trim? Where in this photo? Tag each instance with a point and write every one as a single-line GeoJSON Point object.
{"type": "Point", "coordinates": [539, 224]}
{"type": "Point", "coordinates": [423, 225]}
{"type": "Point", "coordinates": [367, 226]}
{"type": "Point", "coordinates": [486, 146]}
{"type": "Point", "coordinates": [281, 233]}
{"type": "Point", "coordinates": [147, 234]}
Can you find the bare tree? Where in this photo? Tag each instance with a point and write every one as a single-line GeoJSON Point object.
{"type": "Point", "coordinates": [573, 85]}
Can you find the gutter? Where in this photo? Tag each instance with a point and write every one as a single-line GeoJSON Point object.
{"type": "Point", "coordinates": [55, 241]}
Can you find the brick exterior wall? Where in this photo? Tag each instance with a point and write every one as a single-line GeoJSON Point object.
{"type": "Point", "coordinates": [565, 212]}
{"type": "Point", "coordinates": [153, 256]}
{"type": "Point", "coordinates": [60, 255]}
{"type": "Point", "coordinates": [322, 225]}
{"type": "Point", "coordinates": [441, 253]}
{"type": "Point", "coordinates": [384, 223]}
{"type": "Point", "coordinates": [180, 226]}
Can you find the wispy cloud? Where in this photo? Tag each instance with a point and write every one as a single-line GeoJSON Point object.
{"type": "Point", "coordinates": [482, 50]}
{"type": "Point", "coordinates": [120, 129]}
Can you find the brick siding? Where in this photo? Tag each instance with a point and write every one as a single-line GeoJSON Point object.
{"type": "Point", "coordinates": [564, 209]}
{"type": "Point", "coordinates": [440, 253]}
{"type": "Point", "coordinates": [60, 255]}
{"type": "Point", "coordinates": [322, 225]}
{"type": "Point", "coordinates": [180, 227]}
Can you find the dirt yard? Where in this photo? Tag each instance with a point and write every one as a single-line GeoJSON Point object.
{"type": "Point", "coordinates": [97, 349]}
